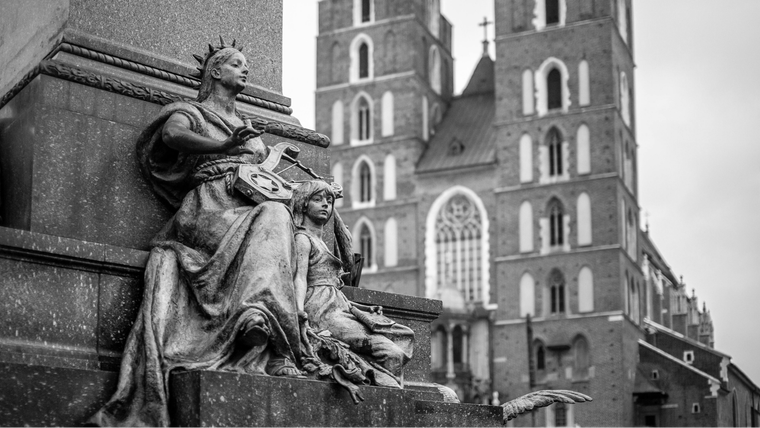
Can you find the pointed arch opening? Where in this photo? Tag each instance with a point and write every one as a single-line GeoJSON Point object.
{"type": "Point", "coordinates": [365, 242]}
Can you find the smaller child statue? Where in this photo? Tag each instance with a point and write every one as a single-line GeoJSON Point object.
{"type": "Point", "coordinates": [326, 314]}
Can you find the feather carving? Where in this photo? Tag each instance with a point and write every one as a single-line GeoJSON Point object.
{"type": "Point", "coordinates": [538, 399]}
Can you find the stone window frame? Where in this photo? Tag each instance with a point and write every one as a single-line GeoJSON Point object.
{"type": "Point", "coordinates": [370, 263]}
{"type": "Point", "coordinates": [356, 43]}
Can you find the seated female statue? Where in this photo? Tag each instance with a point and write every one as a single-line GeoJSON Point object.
{"type": "Point", "coordinates": [219, 291]}
{"type": "Point", "coordinates": [385, 345]}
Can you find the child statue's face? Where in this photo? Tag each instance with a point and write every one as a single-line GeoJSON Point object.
{"type": "Point", "coordinates": [319, 208]}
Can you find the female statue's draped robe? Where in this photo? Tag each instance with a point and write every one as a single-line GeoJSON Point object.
{"type": "Point", "coordinates": [218, 263]}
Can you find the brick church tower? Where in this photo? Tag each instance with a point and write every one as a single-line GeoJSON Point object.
{"type": "Point", "coordinates": [567, 197]}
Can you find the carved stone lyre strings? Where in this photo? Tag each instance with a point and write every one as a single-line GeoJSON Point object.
{"type": "Point", "coordinates": [262, 183]}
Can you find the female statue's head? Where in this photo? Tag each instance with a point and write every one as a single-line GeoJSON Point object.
{"type": "Point", "coordinates": [304, 193]}
{"type": "Point", "coordinates": [224, 65]}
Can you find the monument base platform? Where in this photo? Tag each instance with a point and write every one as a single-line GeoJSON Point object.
{"type": "Point", "coordinates": [49, 396]}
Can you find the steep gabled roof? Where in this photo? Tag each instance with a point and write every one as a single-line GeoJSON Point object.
{"type": "Point", "coordinates": [465, 137]}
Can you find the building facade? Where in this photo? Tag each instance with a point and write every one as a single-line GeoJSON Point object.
{"type": "Point", "coordinates": [514, 202]}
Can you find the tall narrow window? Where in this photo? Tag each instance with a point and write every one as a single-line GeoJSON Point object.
{"type": "Point", "coordinates": [364, 122]}
{"type": "Point", "coordinates": [554, 89]}
{"type": "Point", "coordinates": [585, 290]}
{"type": "Point", "coordinates": [439, 349]}
{"type": "Point", "coordinates": [625, 99]}
{"type": "Point", "coordinates": [556, 293]}
{"type": "Point", "coordinates": [365, 180]}
{"type": "Point", "coordinates": [391, 243]}
{"type": "Point", "coordinates": [387, 114]}
{"type": "Point", "coordinates": [552, 12]}
{"type": "Point", "coordinates": [583, 147]}
{"type": "Point", "coordinates": [581, 358]}
{"type": "Point", "coordinates": [365, 245]}
{"type": "Point", "coordinates": [458, 229]}
{"type": "Point", "coordinates": [389, 178]}
{"type": "Point", "coordinates": [527, 295]}
{"type": "Point", "coordinates": [556, 154]}
{"type": "Point", "coordinates": [560, 415]}
{"type": "Point", "coordinates": [434, 70]}
{"type": "Point", "coordinates": [540, 355]}
{"type": "Point", "coordinates": [526, 159]}
{"type": "Point", "coordinates": [527, 92]}
{"type": "Point", "coordinates": [457, 336]}
{"type": "Point", "coordinates": [526, 227]}
{"type": "Point", "coordinates": [583, 216]}
{"type": "Point", "coordinates": [337, 122]}
{"type": "Point", "coordinates": [363, 61]}
{"type": "Point", "coordinates": [335, 63]}
{"type": "Point", "coordinates": [584, 89]}
{"type": "Point", "coordinates": [363, 183]}
{"type": "Point", "coordinates": [556, 224]}
{"type": "Point", "coordinates": [366, 15]}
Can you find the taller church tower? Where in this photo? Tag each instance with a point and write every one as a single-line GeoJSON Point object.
{"type": "Point", "coordinates": [567, 196]}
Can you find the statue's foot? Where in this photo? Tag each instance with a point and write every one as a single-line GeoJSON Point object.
{"type": "Point", "coordinates": [283, 367]}
{"type": "Point", "coordinates": [254, 333]}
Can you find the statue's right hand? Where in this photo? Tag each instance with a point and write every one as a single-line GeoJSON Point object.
{"type": "Point", "coordinates": [233, 145]}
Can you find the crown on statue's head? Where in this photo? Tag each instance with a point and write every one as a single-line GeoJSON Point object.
{"type": "Point", "coordinates": [212, 50]}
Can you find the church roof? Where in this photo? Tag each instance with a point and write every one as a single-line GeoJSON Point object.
{"type": "Point", "coordinates": [466, 137]}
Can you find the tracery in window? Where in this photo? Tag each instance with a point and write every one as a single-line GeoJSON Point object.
{"type": "Point", "coordinates": [556, 292]}
{"type": "Point", "coordinates": [458, 229]}
{"type": "Point", "coordinates": [556, 224]}
{"type": "Point", "coordinates": [556, 154]}
{"type": "Point", "coordinates": [365, 245]}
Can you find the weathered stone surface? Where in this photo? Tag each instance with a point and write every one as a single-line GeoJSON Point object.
{"type": "Point", "coordinates": [48, 305]}
{"type": "Point", "coordinates": [51, 396]}
{"type": "Point", "coordinates": [225, 399]}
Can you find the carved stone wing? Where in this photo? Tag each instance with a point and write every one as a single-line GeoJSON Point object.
{"type": "Point", "coordinates": [538, 399]}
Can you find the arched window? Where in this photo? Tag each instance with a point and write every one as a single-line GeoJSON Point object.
{"type": "Point", "coordinates": [364, 11]}
{"type": "Point", "coordinates": [527, 295]}
{"type": "Point", "coordinates": [585, 290]}
{"type": "Point", "coordinates": [582, 358]}
{"type": "Point", "coordinates": [552, 12]}
{"type": "Point", "coordinates": [527, 92]}
{"type": "Point", "coordinates": [583, 213]}
{"type": "Point", "coordinates": [526, 159]}
{"type": "Point", "coordinates": [457, 245]}
{"type": "Point", "coordinates": [556, 224]}
{"type": "Point", "coordinates": [631, 232]}
{"type": "Point", "coordinates": [439, 348]}
{"type": "Point", "coordinates": [387, 114]}
{"type": "Point", "coordinates": [389, 178]}
{"type": "Point", "coordinates": [362, 63]}
{"type": "Point", "coordinates": [363, 183]}
{"type": "Point", "coordinates": [434, 69]}
{"type": "Point", "coordinates": [458, 230]}
{"type": "Point", "coordinates": [435, 118]}
{"type": "Point", "coordinates": [364, 243]}
{"type": "Point", "coordinates": [539, 355]}
{"type": "Point", "coordinates": [337, 122]}
{"type": "Point", "coordinates": [625, 99]}
{"type": "Point", "coordinates": [554, 89]}
{"type": "Point", "coordinates": [556, 292]}
{"type": "Point", "coordinates": [583, 147]}
{"type": "Point", "coordinates": [548, 12]}
{"type": "Point", "coordinates": [554, 145]}
{"type": "Point", "coordinates": [391, 243]}
{"type": "Point", "coordinates": [552, 92]}
{"type": "Point", "coordinates": [634, 299]}
{"type": "Point", "coordinates": [526, 227]}
{"type": "Point", "coordinates": [361, 120]}
{"type": "Point", "coordinates": [457, 339]}
{"type": "Point", "coordinates": [337, 173]}
{"type": "Point", "coordinates": [433, 16]}
{"type": "Point", "coordinates": [584, 87]}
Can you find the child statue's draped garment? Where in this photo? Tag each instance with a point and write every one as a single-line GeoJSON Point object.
{"type": "Point", "coordinates": [218, 263]}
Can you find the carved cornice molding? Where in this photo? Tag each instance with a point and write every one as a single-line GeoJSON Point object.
{"type": "Point", "coordinates": [88, 78]}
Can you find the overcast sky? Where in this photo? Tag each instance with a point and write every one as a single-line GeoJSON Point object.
{"type": "Point", "coordinates": [697, 99]}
